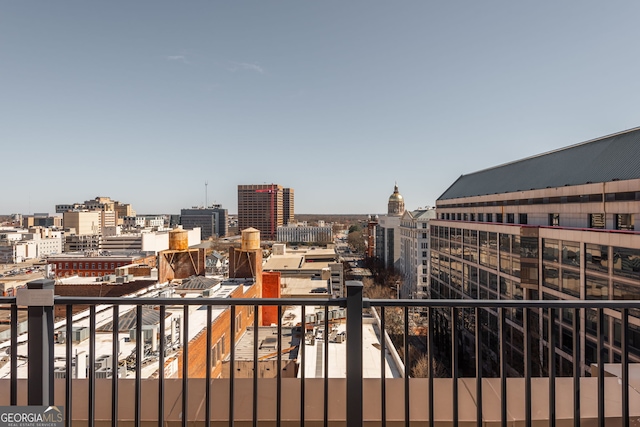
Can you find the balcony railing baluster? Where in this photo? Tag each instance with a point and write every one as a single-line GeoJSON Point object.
{"type": "Point", "coordinates": [327, 334]}
{"type": "Point", "coordinates": [430, 349]}
{"type": "Point", "coordinates": [255, 366]}
{"type": "Point", "coordinates": [303, 340]}
{"type": "Point", "coordinates": [383, 372]}
{"type": "Point", "coordinates": [14, 356]}
{"type": "Point", "coordinates": [526, 321]}
{"type": "Point", "coordinates": [115, 351]}
{"type": "Point", "coordinates": [208, 361]}
{"type": "Point", "coordinates": [601, 361]}
{"type": "Point", "coordinates": [624, 347]}
{"type": "Point", "coordinates": [279, 372]}
{"type": "Point", "coordinates": [69, 366]}
{"type": "Point", "coordinates": [92, 366]}
{"type": "Point", "coordinates": [576, 367]}
{"type": "Point", "coordinates": [407, 368]}
{"type": "Point", "coordinates": [139, 341]}
{"type": "Point", "coordinates": [232, 370]}
{"type": "Point", "coordinates": [454, 363]}
{"type": "Point", "coordinates": [478, 350]}
{"type": "Point", "coordinates": [551, 344]}
{"type": "Point", "coordinates": [162, 344]}
{"type": "Point", "coordinates": [503, 367]}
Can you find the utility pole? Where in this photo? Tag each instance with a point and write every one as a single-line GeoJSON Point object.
{"type": "Point", "coordinates": [206, 194]}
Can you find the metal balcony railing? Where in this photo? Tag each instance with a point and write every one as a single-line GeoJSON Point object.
{"type": "Point", "coordinates": [40, 381]}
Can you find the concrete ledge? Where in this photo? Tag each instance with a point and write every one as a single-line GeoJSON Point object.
{"type": "Point", "coordinates": [314, 401]}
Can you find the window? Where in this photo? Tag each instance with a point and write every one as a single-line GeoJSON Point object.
{"type": "Point", "coordinates": [550, 250]}
{"type": "Point", "coordinates": [596, 220]}
{"type": "Point", "coordinates": [489, 217]}
{"type": "Point", "coordinates": [522, 219]}
{"type": "Point", "coordinates": [472, 217]}
{"type": "Point", "coordinates": [597, 288]}
{"type": "Point", "coordinates": [480, 217]}
{"type": "Point", "coordinates": [424, 235]}
{"type": "Point", "coordinates": [626, 262]}
{"type": "Point", "coordinates": [424, 225]}
{"type": "Point", "coordinates": [238, 322]}
{"type": "Point", "coordinates": [571, 253]}
{"type": "Point", "coordinates": [511, 218]}
{"type": "Point", "coordinates": [597, 257]}
{"type": "Point", "coordinates": [550, 277]}
{"type": "Point", "coordinates": [554, 220]}
{"type": "Point", "coordinates": [499, 217]}
{"type": "Point", "coordinates": [624, 222]}
{"type": "Point", "coordinates": [424, 254]}
{"type": "Point", "coordinates": [571, 283]}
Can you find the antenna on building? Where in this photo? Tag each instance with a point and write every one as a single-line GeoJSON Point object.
{"type": "Point", "coordinates": [206, 194]}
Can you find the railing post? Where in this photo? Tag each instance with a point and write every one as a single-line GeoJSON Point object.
{"type": "Point", "coordinates": [38, 297]}
{"type": "Point", "coordinates": [354, 353]}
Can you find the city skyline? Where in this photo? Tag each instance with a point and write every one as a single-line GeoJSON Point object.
{"type": "Point", "coordinates": [146, 102]}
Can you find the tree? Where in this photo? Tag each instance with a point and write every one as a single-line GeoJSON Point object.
{"type": "Point", "coordinates": [420, 368]}
{"type": "Point", "coordinates": [356, 240]}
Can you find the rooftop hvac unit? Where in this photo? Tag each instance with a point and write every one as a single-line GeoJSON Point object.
{"type": "Point", "coordinates": [147, 333]}
{"type": "Point", "coordinates": [80, 334]}
{"type": "Point", "coordinates": [103, 373]}
{"type": "Point", "coordinates": [120, 280]}
{"type": "Point", "coordinates": [206, 293]}
{"type": "Point", "coordinates": [59, 372]}
{"type": "Point", "coordinates": [103, 362]}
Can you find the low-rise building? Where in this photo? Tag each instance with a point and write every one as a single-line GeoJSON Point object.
{"type": "Point", "coordinates": [300, 232]}
{"type": "Point", "coordinates": [97, 263]}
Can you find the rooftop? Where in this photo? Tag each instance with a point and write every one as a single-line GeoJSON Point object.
{"type": "Point", "coordinates": [609, 158]}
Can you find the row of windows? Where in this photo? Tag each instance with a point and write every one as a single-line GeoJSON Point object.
{"type": "Point", "coordinates": [594, 220]}
{"type": "Point", "coordinates": [87, 265]}
{"type": "Point", "coordinates": [462, 243]}
{"type": "Point", "coordinates": [583, 198]}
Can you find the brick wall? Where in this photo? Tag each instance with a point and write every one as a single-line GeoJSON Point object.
{"type": "Point", "coordinates": [220, 327]}
{"type": "Point", "coordinates": [270, 289]}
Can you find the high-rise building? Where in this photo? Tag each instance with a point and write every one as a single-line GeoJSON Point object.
{"type": "Point", "coordinates": [556, 226]}
{"type": "Point", "coordinates": [213, 220]}
{"type": "Point", "coordinates": [287, 206]}
{"type": "Point", "coordinates": [262, 206]}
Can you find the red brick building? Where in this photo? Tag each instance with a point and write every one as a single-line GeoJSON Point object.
{"type": "Point", "coordinates": [97, 264]}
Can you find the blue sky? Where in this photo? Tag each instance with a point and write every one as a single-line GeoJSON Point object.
{"type": "Point", "coordinates": [145, 101]}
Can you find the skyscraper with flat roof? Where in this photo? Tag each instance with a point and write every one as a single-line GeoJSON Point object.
{"type": "Point", "coordinates": [264, 207]}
